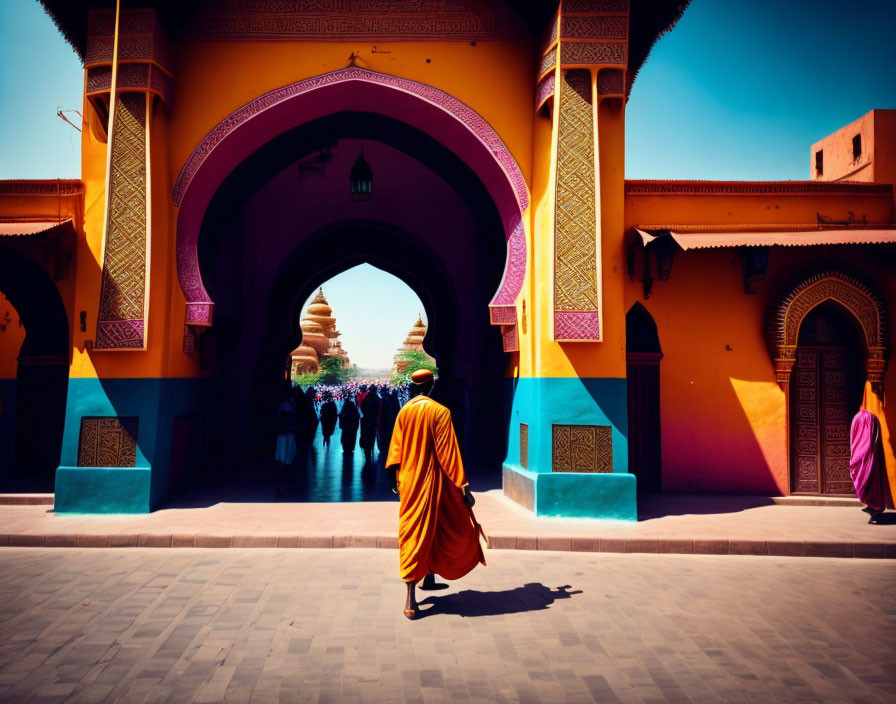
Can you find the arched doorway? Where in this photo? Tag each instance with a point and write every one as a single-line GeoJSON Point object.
{"type": "Point", "coordinates": [826, 391]}
{"type": "Point", "coordinates": [283, 222]}
{"type": "Point", "coordinates": [38, 412]}
{"type": "Point", "coordinates": [827, 335]}
{"type": "Point", "coordinates": [642, 363]}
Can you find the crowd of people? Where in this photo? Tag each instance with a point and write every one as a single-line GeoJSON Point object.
{"type": "Point", "coordinates": [353, 406]}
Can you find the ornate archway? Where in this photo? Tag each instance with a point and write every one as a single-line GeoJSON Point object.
{"type": "Point", "coordinates": [868, 309]}
{"type": "Point", "coordinates": [438, 114]}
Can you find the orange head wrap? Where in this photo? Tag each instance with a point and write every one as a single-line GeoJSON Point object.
{"type": "Point", "coordinates": [421, 376]}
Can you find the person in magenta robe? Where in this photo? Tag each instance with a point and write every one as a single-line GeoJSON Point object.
{"type": "Point", "coordinates": [866, 465]}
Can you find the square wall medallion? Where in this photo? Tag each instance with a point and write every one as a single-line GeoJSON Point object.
{"type": "Point", "coordinates": [108, 441]}
{"type": "Point", "coordinates": [582, 448]}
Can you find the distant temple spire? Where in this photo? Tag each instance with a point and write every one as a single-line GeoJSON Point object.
{"type": "Point", "coordinates": [319, 338]}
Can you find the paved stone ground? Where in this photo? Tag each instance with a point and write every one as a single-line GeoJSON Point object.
{"type": "Point", "coordinates": [325, 625]}
{"type": "Point", "coordinates": [749, 525]}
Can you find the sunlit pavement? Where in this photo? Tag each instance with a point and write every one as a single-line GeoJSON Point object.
{"type": "Point", "coordinates": [326, 625]}
{"type": "Point", "coordinates": [340, 501]}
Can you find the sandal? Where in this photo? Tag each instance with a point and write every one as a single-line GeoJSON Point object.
{"type": "Point", "coordinates": [410, 614]}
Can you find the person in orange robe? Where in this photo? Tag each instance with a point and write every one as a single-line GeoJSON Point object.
{"type": "Point", "coordinates": [436, 534]}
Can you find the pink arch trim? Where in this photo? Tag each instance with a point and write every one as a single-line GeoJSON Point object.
{"type": "Point", "coordinates": [439, 114]}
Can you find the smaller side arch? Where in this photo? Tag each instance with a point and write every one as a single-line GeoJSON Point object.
{"type": "Point", "coordinates": [866, 306]}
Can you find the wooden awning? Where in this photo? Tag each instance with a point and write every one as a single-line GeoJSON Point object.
{"type": "Point", "coordinates": [708, 240]}
{"type": "Point", "coordinates": [30, 227]}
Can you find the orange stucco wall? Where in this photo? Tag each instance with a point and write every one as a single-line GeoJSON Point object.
{"type": "Point", "coordinates": [877, 162]}
{"type": "Point", "coordinates": [214, 79]}
{"type": "Point", "coordinates": [724, 418]}
{"type": "Point", "coordinates": [49, 208]}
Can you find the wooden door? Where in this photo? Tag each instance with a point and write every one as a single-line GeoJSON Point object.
{"type": "Point", "coordinates": [820, 420]}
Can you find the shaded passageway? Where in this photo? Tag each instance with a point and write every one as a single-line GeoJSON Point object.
{"type": "Point", "coordinates": [284, 223]}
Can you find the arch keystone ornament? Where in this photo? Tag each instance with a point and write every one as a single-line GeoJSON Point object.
{"type": "Point", "coordinates": [868, 309]}
{"type": "Point", "coordinates": [431, 110]}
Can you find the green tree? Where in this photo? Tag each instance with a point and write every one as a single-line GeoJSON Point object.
{"type": "Point", "coordinates": [332, 371]}
{"type": "Point", "coordinates": [305, 380]}
{"type": "Point", "coordinates": [415, 360]}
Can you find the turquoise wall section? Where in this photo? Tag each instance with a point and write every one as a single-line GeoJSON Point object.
{"type": "Point", "coordinates": [139, 489]}
{"type": "Point", "coordinates": [544, 402]}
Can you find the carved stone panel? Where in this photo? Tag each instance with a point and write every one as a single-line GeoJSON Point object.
{"type": "Point", "coordinates": [524, 445]}
{"type": "Point", "coordinates": [108, 441]}
{"type": "Point", "coordinates": [121, 319]}
{"type": "Point", "coordinates": [582, 448]}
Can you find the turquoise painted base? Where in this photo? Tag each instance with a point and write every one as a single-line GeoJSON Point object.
{"type": "Point", "coordinates": [156, 403]}
{"type": "Point", "coordinates": [574, 495]}
{"type": "Point", "coordinates": [541, 403]}
{"type": "Point", "coordinates": [103, 489]}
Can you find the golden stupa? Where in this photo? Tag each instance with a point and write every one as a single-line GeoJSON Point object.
{"type": "Point", "coordinates": [413, 342]}
{"type": "Point", "coordinates": [319, 339]}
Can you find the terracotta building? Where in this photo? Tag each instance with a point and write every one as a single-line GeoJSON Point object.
{"type": "Point", "coordinates": [594, 335]}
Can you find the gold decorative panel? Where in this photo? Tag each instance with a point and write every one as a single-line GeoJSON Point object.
{"type": "Point", "coordinates": [524, 445]}
{"type": "Point", "coordinates": [121, 323]}
{"type": "Point", "coordinates": [108, 441]}
{"type": "Point", "coordinates": [576, 235]}
{"type": "Point", "coordinates": [582, 448]}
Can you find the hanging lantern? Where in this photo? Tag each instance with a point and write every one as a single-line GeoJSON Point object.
{"type": "Point", "coordinates": [361, 180]}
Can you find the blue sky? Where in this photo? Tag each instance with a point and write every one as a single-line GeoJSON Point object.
{"type": "Point", "coordinates": [738, 90]}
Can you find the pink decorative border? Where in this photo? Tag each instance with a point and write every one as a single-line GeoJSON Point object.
{"type": "Point", "coordinates": [544, 90]}
{"type": "Point", "coordinates": [199, 305]}
{"type": "Point", "coordinates": [579, 325]}
{"type": "Point", "coordinates": [510, 338]}
{"type": "Point", "coordinates": [474, 122]}
{"type": "Point", "coordinates": [503, 306]}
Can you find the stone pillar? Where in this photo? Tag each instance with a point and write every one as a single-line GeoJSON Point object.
{"type": "Point", "coordinates": [142, 78]}
{"type": "Point", "coordinates": [569, 424]}
{"type": "Point", "coordinates": [122, 421]}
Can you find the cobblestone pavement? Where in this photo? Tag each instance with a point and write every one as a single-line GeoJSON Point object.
{"type": "Point", "coordinates": [194, 625]}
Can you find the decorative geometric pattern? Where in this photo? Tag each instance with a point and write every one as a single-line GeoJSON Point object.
{"type": "Point", "coordinates": [502, 309]}
{"type": "Point", "coordinates": [140, 37]}
{"type": "Point", "coordinates": [120, 322]}
{"type": "Point", "coordinates": [50, 187]}
{"type": "Point", "coordinates": [869, 309]}
{"type": "Point", "coordinates": [552, 34]}
{"type": "Point", "coordinates": [594, 5]}
{"type": "Point", "coordinates": [350, 20]}
{"type": "Point", "coordinates": [139, 76]}
{"type": "Point", "coordinates": [610, 82]}
{"type": "Point", "coordinates": [582, 448]}
{"type": "Point", "coordinates": [591, 53]}
{"type": "Point", "coordinates": [596, 27]}
{"type": "Point", "coordinates": [576, 236]}
{"type": "Point", "coordinates": [577, 325]}
{"type": "Point", "coordinates": [199, 307]}
{"type": "Point", "coordinates": [108, 441]}
{"type": "Point", "coordinates": [548, 62]}
{"type": "Point", "coordinates": [524, 445]}
{"type": "Point", "coordinates": [510, 338]}
{"type": "Point", "coordinates": [544, 90]}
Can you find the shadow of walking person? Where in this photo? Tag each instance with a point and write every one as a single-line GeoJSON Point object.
{"type": "Point", "coordinates": [471, 602]}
